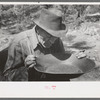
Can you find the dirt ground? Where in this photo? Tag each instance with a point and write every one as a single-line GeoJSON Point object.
{"type": "Point", "coordinates": [86, 38]}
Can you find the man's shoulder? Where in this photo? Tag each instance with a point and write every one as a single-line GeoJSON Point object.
{"type": "Point", "coordinates": [23, 35]}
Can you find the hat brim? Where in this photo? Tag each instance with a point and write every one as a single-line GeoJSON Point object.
{"type": "Point", "coordinates": [56, 33]}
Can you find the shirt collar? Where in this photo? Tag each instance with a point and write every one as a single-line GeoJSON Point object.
{"type": "Point", "coordinates": [33, 38]}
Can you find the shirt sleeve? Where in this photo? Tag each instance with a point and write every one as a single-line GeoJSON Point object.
{"type": "Point", "coordinates": [14, 57]}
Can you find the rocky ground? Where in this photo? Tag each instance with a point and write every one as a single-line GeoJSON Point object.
{"type": "Point", "coordinates": [87, 38]}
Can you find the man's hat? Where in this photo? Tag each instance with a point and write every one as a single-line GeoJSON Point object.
{"type": "Point", "coordinates": [51, 21]}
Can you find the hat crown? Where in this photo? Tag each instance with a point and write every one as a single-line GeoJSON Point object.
{"type": "Point", "coordinates": [55, 11]}
{"type": "Point", "coordinates": [51, 18]}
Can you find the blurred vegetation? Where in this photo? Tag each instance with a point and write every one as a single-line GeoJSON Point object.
{"type": "Point", "coordinates": [16, 18]}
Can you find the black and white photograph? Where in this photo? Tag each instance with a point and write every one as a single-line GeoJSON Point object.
{"type": "Point", "coordinates": [49, 42]}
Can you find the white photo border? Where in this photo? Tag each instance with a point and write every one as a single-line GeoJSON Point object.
{"type": "Point", "coordinates": [45, 89]}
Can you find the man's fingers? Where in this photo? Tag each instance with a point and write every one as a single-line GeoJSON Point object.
{"type": "Point", "coordinates": [30, 57]}
{"type": "Point", "coordinates": [81, 55]}
{"type": "Point", "coordinates": [32, 65]}
{"type": "Point", "coordinates": [30, 62]}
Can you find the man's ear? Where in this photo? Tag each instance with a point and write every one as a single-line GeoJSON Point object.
{"type": "Point", "coordinates": [38, 29]}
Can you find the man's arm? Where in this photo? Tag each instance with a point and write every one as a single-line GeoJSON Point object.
{"type": "Point", "coordinates": [14, 59]}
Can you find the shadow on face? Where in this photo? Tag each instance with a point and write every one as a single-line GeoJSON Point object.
{"type": "Point", "coordinates": [41, 32]}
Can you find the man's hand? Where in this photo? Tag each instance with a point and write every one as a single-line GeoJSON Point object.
{"type": "Point", "coordinates": [81, 54]}
{"type": "Point", "coordinates": [30, 61]}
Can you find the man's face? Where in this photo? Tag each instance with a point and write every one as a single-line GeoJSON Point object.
{"type": "Point", "coordinates": [44, 37]}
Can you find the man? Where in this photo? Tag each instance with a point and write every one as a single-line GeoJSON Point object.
{"type": "Point", "coordinates": [44, 39]}
{"type": "Point", "coordinates": [41, 40]}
